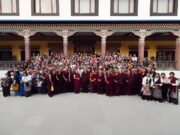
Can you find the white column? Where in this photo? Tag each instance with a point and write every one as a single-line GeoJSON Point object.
{"type": "Point", "coordinates": [65, 34]}
{"type": "Point", "coordinates": [103, 34]}
{"type": "Point", "coordinates": [141, 44]}
{"type": "Point", "coordinates": [27, 34]}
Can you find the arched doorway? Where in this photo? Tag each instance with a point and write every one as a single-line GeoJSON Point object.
{"type": "Point", "coordinates": [84, 42]}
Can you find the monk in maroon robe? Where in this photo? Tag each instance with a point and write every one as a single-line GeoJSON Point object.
{"type": "Point", "coordinates": [93, 82]}
{"type": "Point", "coordinates": [60, 81]}
{"type": "Point", "coordinates": [100, 83]}
{"type": "Point", "coordinates": [65, 81]}
{"type": "Point", "coordinates": [49, 84]}
{"type": "Point", "coordinates": [108, 80]}
{"type": "Point", "coordinates": [55, 82]}
{"type": "Point", "coordinates": [77, 80]}
{"type": "Point", "coordinates": [121, 84]}
{"type": "Point", "coordinates": [130, 86]}
{"type": "Point", "coordinates": [116, 80]}
{"type": "Point", "coordinates": [85, 81]}
{"type": "Point", "coordinates": [70, 82]}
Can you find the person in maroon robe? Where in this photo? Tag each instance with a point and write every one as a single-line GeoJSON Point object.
{"type": "Point", "coordinates": [130, 85]}
{"type": "Point", "coordinates": [108, 81]}
{"type": "Point", "coordinates": [121, 83]}
{"type": "Point", "coordinates": [116, 80]}
{"type": "Point", "coordinates": [85, 81]}
{"type": "Point", "coordinates": [49, 84]}
{"type": "Point", "coordinates": [93, 82]}
{"type": "Point", "coordinates": [77, 80]}
{"type": "Point", "coordinates": [70, 83]}
{"type": "Point", "coordinates": [56, 83]}
{"type": "Point", "coordinates": [60, 81]}
{"type": "Point", "coordinates": [100, 82]}
{"type": "Point", "coordinates": [65, 80]}
{"type": "Point", "coordinates": [139, 81]}
{"type": "Point", "coordinates": [135, 82]}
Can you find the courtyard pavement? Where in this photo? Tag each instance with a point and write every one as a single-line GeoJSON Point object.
{"type": "Point", "coordinates": [87, 114]}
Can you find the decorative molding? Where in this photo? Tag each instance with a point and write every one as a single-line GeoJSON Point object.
{"type": "Point", "coordinates": [44, 27]}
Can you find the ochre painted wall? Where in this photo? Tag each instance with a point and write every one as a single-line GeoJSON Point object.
{"type": "Point", "coordinates": [124, 46]}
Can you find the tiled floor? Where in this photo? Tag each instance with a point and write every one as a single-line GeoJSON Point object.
{"type": "Point", "coordinates": [87, 114]}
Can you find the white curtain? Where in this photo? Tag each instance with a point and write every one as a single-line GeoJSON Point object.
{"type": "Point", "coordinates": [123, 6]}
{"type": "Point", "coordinates": [8, 6]}
{"type": "Point", "coordinates": [84, 6]}
{"type": "Point", "coordinates": [45, 6]}
{"type": "Point", "coordinates": [116, 6]}
{"type": "Point", "coordinates": [163, 6]}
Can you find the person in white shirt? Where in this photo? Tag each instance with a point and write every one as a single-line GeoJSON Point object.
{"type": "Point", "coordinates": [26, 80]}
{"type": "Point", "coordinates": [134, 58]}
{"type": "Point", "coordinates": [146, 87]}
{"type": "Point", "coordinates": [165, 85]}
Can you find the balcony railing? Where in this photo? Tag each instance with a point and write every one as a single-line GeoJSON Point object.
{"type": "Point", "coordinates": [5, 65]}
{"type": "Point", "coordinates": [166, 64]}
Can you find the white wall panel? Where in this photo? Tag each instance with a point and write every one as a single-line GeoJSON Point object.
{"type": "Point", "coordinates": [104, 12]}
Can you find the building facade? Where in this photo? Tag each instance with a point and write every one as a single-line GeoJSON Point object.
{"type": "Point", "coordinates": [147, 28]}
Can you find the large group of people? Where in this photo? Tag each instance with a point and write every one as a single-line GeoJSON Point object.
{"type": "Point", "coordinates": [112, 75]}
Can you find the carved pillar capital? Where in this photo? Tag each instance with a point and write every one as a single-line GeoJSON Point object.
{"type": "Point", "coordinates": [103, 34]}
{"type": "Point", "coordinates": [142, 34]}
{"type": "Point", "coordinates": [26, 34]}
{"type": "Point", "coordinates": [65, 33]}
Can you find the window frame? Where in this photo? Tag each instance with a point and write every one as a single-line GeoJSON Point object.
{"type": "Point", "coordinates": [44, 14]}
{"type": "Point", "coordinates": [84, 14]}
{"type": "Point", "coordinates": [12, 14]}
{"type": "Point", "coordinates": [125, 14]}
{"type": "Point", "coordinates": [175, 10]}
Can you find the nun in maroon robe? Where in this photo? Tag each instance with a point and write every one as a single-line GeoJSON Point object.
{"type": "Point", "coordinates": [108, 81]}
{"type": "Point", "coordinates": [136, 82]}
{"type": "Point", "coordinates": [70, 83]}
{"type": "Point", "coordinates": [139, 81]}
{"type": "Point", "coordinates": [60, 81]}
{"type": "Point", "coordinates": [93, 82]}
{"type": "Point", "coordinates": [49, 85]}
{"type": "Point", "coordinates": [65, 80]}
{"type": "Point", "coordinates": [121, 83]}
{"type": "Point", "coordinates": [54, 81]}
{"type": "Point", "coordinates": [116, 80]}
{"type": "Point", "coordinates": [100, 83]}
{"type": "Point", "coordinates": [85, 81]}
{"type": "Point", "coordinates": [77, 81]}
{"type": "Point", "coordinates": [130, 82]}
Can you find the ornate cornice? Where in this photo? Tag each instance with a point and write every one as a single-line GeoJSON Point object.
{"type": "Point", "coordinates": [88, 27]}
